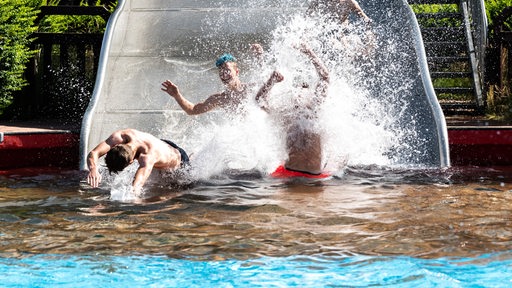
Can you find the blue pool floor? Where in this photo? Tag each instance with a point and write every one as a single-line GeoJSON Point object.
{"type": "Point", "coordinates": [491, 270]}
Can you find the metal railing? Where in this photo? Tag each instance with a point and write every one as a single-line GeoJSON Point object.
{"type": "Point", "coordinates": [474, 14]}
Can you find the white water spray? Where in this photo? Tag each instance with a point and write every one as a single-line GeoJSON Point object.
{"type": "Point", "coordinates": [376, 112]}
{"type": "Point", "coordinates": [357, 128]}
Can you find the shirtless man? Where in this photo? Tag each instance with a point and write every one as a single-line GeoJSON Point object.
{"type": "Point", "coordinates": [125, 146]}
{"type": "Point", "coordinates": [235, 92]}
{"type": "Point", "coordinates": [303, 144]}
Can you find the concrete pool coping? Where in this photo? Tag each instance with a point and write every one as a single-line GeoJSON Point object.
{"type": "Point", "coordinates": [472, 141]}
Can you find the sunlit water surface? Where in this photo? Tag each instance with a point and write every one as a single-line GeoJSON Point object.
{"type": "Point", "coordinates": [371, 226]}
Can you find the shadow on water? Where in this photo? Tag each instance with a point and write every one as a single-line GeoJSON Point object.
{"type": "Point", "coordinates": [459, 212]}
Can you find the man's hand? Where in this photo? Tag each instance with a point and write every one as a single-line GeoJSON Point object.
{"type": "Point", "coordinates": [170, 88]}
{"type": "Point", "coordinates": [277, 77]}
{"type": "Point", "coordinates": [257, 49]}
{"type": "Point", "coordinates": [94, 178]}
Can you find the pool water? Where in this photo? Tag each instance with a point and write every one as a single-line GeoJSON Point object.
{"type": "Point", "coordinates": [299, 271]}
{"type": "Point", "coordinates": [372, 226]}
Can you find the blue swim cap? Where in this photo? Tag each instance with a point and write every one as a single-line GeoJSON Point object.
{"type": "Point", "coordinates": [225, 58]}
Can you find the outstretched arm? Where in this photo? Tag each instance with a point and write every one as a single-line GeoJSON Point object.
{"type": "Point", "coordinates": [190, 108]}
{"type": "Point", "coordinates": [262, 94]}
{"type": "Point", "coordinates": [94, 176]}
{"type": "Point", "coordinates": [356, 8]}
{"type": "Point", "coordinates": [341, 8]}
{"type": "Point", "coordinates": [323, 73]}
{"type": "Point", "coordinates": [146, 164]}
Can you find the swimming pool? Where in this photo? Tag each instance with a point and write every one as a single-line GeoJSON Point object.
{"type": "Point", "coordinates": [492, 270]}
{"type": "Point", "coordinates": [371, 227]}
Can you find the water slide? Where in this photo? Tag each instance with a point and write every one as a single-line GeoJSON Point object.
{"type": "Point", "coordinates": [149, 41]}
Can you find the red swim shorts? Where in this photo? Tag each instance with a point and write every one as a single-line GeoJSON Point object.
{"type": "Point", "coordinates": [282, 172]}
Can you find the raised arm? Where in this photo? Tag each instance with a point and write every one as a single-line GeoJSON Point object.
{"type": "Point", "coordinates": [323, 73]}
{"type": "Point", "coordinates": [341, 8]}
{"type": "Point", "coordinates": [146, 164]}
{"type": "Point", "coordinates": [356, 8]}
{"type": "Point", "coordinates": [261, 96]}
{"type": "Point", "coordinates": [190, 108]}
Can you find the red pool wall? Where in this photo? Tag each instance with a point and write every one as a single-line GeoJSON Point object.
{"type": "Point", "coordinates": [468, 146]}
{"type": "Point", "coordinates": [490, 146]}
{"type": "Point", "coordinates": [39, 149]}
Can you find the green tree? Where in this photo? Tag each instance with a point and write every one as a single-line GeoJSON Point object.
{"type": "Point", "coordinates": [74, 23]}
{"type": "Point", "coordinates": [16, 25]}
{"type": "Point", "coordinates": [494, 7]}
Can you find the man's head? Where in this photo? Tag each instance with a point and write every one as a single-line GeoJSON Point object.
{"type": "Point", "coordinates": [225, 58]}
{"type": "Point", "coordinates": [228, 70]}
{"type": "Point", "coordinates": [118, 157]}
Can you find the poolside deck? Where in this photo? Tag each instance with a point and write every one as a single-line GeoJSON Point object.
{"type": "Point", "coordinates": [472, 140]}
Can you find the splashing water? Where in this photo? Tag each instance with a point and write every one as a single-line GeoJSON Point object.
{"type": "Point", "coordinates": [357, 127]}
{"type": "Point", "coordinates": [348, 118]}
{"type": "Point", "coordinates": [364, 120]}
{"type": "Point", "coordinates": [121, 185]}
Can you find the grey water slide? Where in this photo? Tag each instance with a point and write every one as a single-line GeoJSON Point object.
{"type": "Point", "coordinates": [148, 41]}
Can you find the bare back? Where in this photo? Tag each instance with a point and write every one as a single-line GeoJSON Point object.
{"type": "Point", "coordinates": [304, 149]}
{"type": "Point", "coordinates": [151, 150]}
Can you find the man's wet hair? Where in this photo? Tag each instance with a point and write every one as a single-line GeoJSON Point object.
{"type": "Point", "coordinates": [118, 157]}
{"type": "Point", "coordinates": [225, 58]}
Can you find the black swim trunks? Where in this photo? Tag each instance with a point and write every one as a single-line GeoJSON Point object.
{"type": "Point", "coordinates": [184, 157]}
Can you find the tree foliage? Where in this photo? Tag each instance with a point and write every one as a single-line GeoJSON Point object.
{"type": "Point", "coordinates": [16, 25]}
{"type": "Point", "coordinates": [493, 9]}
{"type": "Point", "coordinates": [73, 23]}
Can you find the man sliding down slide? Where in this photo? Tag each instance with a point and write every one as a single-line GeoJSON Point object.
{"type": "Point", "coordinates": [125, 146]}
{"type": "Point", "coordinates": [303, 143]}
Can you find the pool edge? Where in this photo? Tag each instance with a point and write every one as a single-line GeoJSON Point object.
{"type": "Point", "coordinates": [469, 145]}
